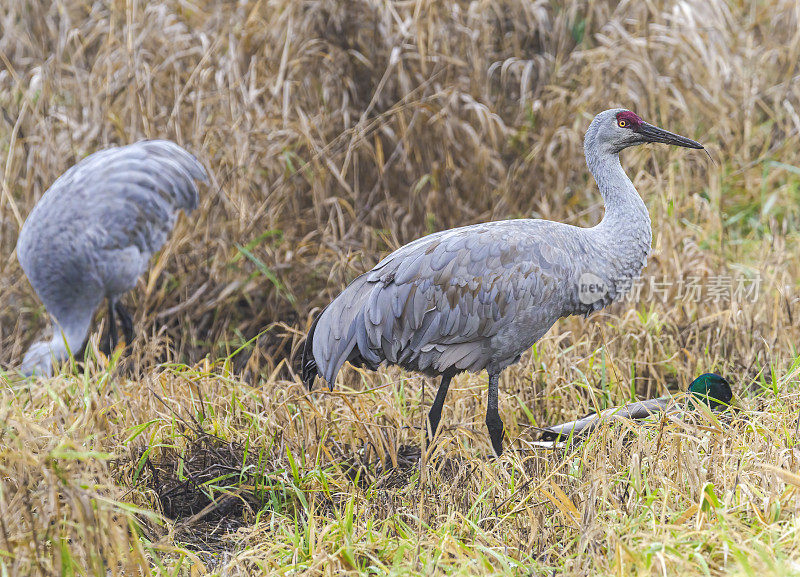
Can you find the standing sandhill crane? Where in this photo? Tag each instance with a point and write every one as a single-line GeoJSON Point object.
{"type": "Point", "coordinates": [92, 234]}
{"type": "Point", "coordinates": [477, 297]}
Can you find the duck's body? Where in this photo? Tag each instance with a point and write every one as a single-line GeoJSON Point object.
{"type": "Point", "coordinates": [709, 389]}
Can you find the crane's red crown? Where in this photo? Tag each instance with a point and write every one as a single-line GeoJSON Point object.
{"type": "Point", "coordinates": [628, 119]}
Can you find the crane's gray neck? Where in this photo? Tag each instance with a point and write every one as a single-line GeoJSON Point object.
{"type": "Point", "coordinates": [622, 201]}
{"type": "Point", "coordinates": [622, 240]}
{"type": "Point", "coordinates": [67, 338]}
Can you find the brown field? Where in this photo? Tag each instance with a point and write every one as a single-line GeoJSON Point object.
{"type": "Point", "coordinates": [335, 131]}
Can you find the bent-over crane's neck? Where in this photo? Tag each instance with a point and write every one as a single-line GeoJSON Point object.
{"type": "Point", "coordinates": [71, 334]}
{"type": "Point", "coordinates": [622, 239]}
{"type": "Point", "coordinates": [67, 338]}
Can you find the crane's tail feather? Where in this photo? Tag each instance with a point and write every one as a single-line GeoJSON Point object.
{"type": "Point", "coordinates": [309, 369]}
{"type": "Point", "coordinates": [337, 330]}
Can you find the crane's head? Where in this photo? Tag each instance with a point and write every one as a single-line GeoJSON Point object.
{"type": "Point", "coordinates": [38, 360]}
{"type": "Point", "coordinates": [614, 130]}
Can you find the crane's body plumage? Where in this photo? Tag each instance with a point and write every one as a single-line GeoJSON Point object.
{"type": "Point", "coordinates": [467, 299]}
{"type": "Point", "coordinates": [477, 297]}
{"type": "Point", "coordinates": [92, 234]}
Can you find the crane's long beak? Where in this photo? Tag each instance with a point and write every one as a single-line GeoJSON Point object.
{"type": "Point", "coordinates": [652, 133]}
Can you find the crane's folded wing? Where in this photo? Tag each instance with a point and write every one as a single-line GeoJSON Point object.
{"type": "Point", "coordinates": [436, 303]}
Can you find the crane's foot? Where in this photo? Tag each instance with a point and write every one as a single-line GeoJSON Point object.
{"type": "Point", "coordinates": [110, 339]}
{"type": "Point", "coordinates": [435, 414]}
{"type": "Point", "coordinates": [126, 321]}
{"type": "Point", "coordinates": [493, 421]}
{"type": "Point", "coordinates": [433, 426]}
{"type": "Point", "coordinates": [103, 344]}
{"type": "Point", "coordinates": [496, 434]}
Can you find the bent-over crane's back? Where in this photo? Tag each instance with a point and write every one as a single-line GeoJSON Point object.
{"type": "Point", "coordinates": [92, 234]}
{"type": "Point", "coordinates": [477, 297]}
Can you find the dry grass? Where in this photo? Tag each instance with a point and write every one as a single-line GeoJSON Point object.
{"type": "Point", "coordinates": [335, 130]}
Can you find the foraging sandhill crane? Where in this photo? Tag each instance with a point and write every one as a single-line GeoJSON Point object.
{"type": "Point", "coordinates": [477, 297]}
{"type": "Point", "coordinates": [92, 234]}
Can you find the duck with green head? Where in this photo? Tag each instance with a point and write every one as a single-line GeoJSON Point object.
{"type": "Point", "coordinates": [709, 389]}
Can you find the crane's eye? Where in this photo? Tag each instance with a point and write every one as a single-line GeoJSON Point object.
{"type": "Point", "coordinates": [622, 123]}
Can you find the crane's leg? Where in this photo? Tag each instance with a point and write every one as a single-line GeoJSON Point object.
{"type": "Point", "coordinates": [111, 339]}
{"type": "Point", "coordinates": [435, 414]}
{"type": "Point", "coordinates": [493, 422]}
{"type": "Point", "coordinates": [126, 321]}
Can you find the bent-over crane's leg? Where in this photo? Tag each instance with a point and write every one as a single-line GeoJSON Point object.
{"type": "Point", "coordinates": [435, 414]}
{"type": "Point", "coordinates": [110, 341]}
{"type": "Point", "coordinates": [127, 323]}
{"type": "Point", "coordinates": [493, 422]}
